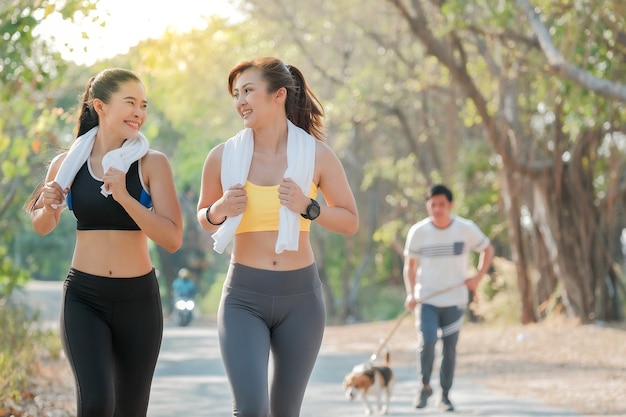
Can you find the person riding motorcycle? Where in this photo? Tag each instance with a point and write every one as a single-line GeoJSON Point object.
{"type": "Point", "coordinates": [184, 291]}
{"type": "Point", "coordinates": [183, 286]}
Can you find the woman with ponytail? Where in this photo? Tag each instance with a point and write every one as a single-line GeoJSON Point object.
{"type": "Point", "coordinates": [260, 189]}
{"type": "Point", "coordinates": [122, 194]}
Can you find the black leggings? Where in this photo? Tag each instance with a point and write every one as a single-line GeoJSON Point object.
{"type": "Point", "coordinates": [262, 311]}
{"type": "Point", "coordinates": [111, 330]}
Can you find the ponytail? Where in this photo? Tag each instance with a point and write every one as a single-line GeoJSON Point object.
{"type": "Point", "coordinates": [304, 109]}
{"type": "Point", "coordinates": [87, 116]}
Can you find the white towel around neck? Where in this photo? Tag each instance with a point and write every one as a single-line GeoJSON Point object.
{"type": "Point", "coordinates": [236, 159]}
{"type": "Point", "coordinates": [120, 158]}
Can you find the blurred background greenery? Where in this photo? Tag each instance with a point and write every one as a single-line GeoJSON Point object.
{"type": "Point", "coordinates": [519, 111]}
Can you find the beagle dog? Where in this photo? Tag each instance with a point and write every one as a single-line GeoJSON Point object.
{"type": "Point", "coordinates": [368, 380]}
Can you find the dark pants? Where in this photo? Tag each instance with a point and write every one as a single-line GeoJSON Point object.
{"type": "Point", "coordinates": [449, 320]}
{"type": "Point", "coordinates": [262, 311]}
{"type": "Point", "coordinates": [112, 330]}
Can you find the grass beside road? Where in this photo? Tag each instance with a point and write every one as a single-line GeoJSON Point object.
{"type": "Point", "coordinates": [23, 346]}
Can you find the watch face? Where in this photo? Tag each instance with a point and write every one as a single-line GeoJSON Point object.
{"type": "Point", "coordinates": [313, 211]}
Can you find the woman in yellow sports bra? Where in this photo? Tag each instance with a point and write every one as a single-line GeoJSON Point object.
{"type": "Point", "coordinates": [260, 190]}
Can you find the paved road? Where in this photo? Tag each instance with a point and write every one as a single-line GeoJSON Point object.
{"type": "Point", "coordinates": [189, 379]}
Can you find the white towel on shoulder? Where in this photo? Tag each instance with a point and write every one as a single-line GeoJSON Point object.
{"type": "Point", "coordinates": [76, 157]}
{"type": "Point", "coordinates": [300, 168]}
{"type": "Point", "coordinates": [123, 157]}
{"type": "Point", "coordinates": [120, 158]}
{"type": "Point", "coordinates": [236, 159]}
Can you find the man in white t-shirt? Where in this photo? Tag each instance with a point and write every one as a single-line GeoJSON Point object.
{"type": "Point", "coordinates": [436, 257]}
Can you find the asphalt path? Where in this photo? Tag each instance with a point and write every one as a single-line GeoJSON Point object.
{"type": "Point", "coordinates": [190, 380]}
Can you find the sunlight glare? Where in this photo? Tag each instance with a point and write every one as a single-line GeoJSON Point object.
{"type": "Point", "coordinates": [126, 23]}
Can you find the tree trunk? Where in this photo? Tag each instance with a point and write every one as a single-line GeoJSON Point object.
{"type": "Point", "coordinates": [565, 205]}
{"type": "Point", "coordinates": [572, 230]}
{"type": "Point", "coordinates": [546, 280]}
{"type": "Point", "coordinates": [511, 192]}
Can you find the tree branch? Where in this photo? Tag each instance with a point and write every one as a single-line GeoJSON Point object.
{"type": "Point", "coordinates": [561, 67]}
{"type": "Point", "coordinates": [498, 134]}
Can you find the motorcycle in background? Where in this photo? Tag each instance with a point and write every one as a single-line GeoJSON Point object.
{"type": "Point", "coordinates": [183, 311]}
{"type": "Point", "coordinates": [184, 290]}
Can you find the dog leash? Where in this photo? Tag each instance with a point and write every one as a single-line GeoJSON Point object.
{"type": "Point", "coordinates": [407, 313]}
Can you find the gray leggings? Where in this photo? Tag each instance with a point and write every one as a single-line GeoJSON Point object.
{"type": "Point", "coordinates": [263, 311]}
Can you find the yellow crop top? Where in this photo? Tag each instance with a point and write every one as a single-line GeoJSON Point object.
{"type": "Point", "coordinates": [262, 209]}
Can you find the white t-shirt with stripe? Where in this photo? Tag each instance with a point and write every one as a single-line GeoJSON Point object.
{"type": "Point", "coordinates": [443, 256]}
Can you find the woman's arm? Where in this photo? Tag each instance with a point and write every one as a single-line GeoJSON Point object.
{"type": "Point", "coordinates": [43, 216]}
{"type": "Point", "coordinates": [222, 204]}
{"type": "Point", "coordinates": [211, 190]}
{"type": "Point", "coordinates": [340, 215]}
{"type": "Point", "coordinates": [164, 223]}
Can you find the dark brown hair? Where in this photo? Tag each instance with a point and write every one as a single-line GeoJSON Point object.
{"type": "Point", "coordinates": [302, 106]}
{"type": "Point", "coordinates": [101, 87]}
{"type": "Point", "coordinates": [439, 189]}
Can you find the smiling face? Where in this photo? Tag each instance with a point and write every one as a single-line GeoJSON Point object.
{"type": "Point", "coordinates": [253, 102]}
{"type": "Point", "coordinates": [126, 110]}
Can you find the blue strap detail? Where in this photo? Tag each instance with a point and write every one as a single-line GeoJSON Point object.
{"type": "Point", "coordinates": [145, 199]}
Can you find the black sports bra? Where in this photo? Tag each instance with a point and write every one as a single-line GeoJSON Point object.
{"type": "Point", "coordinates": [94, 211]}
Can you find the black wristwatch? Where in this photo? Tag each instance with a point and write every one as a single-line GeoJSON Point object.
{"type": "Point", "coordinates": [312, 211]}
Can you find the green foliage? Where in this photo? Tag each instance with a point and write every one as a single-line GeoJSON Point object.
{"type": "Point", "coordinates": [17, 351]}
{"type": "Point", "coordinates": [497, 295]}
{"type": "Point", "coordinates": [27, 63]}
{"type": "Point", "coordinates": [211, 300]}
{"type": "Point", "coordinates": [23, 347]}
{"type": "Point", "coordinates": [477, 196]}
{"type": "Point", "coordinates": [29, 73]}
{"type": "Point", "coordinates": [57, 248]}
{"type": "Point", "coordinates": [390, 231]}
{"type": "Point", "coordinates": [11, 277]}
{"type": "Point", "coordinates": [381, 301]}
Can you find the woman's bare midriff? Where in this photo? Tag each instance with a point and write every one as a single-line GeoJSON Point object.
{"type": "Point", "coordinates": [112, 253]}
{"type": "Point", "coordinates": [257, 250]}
